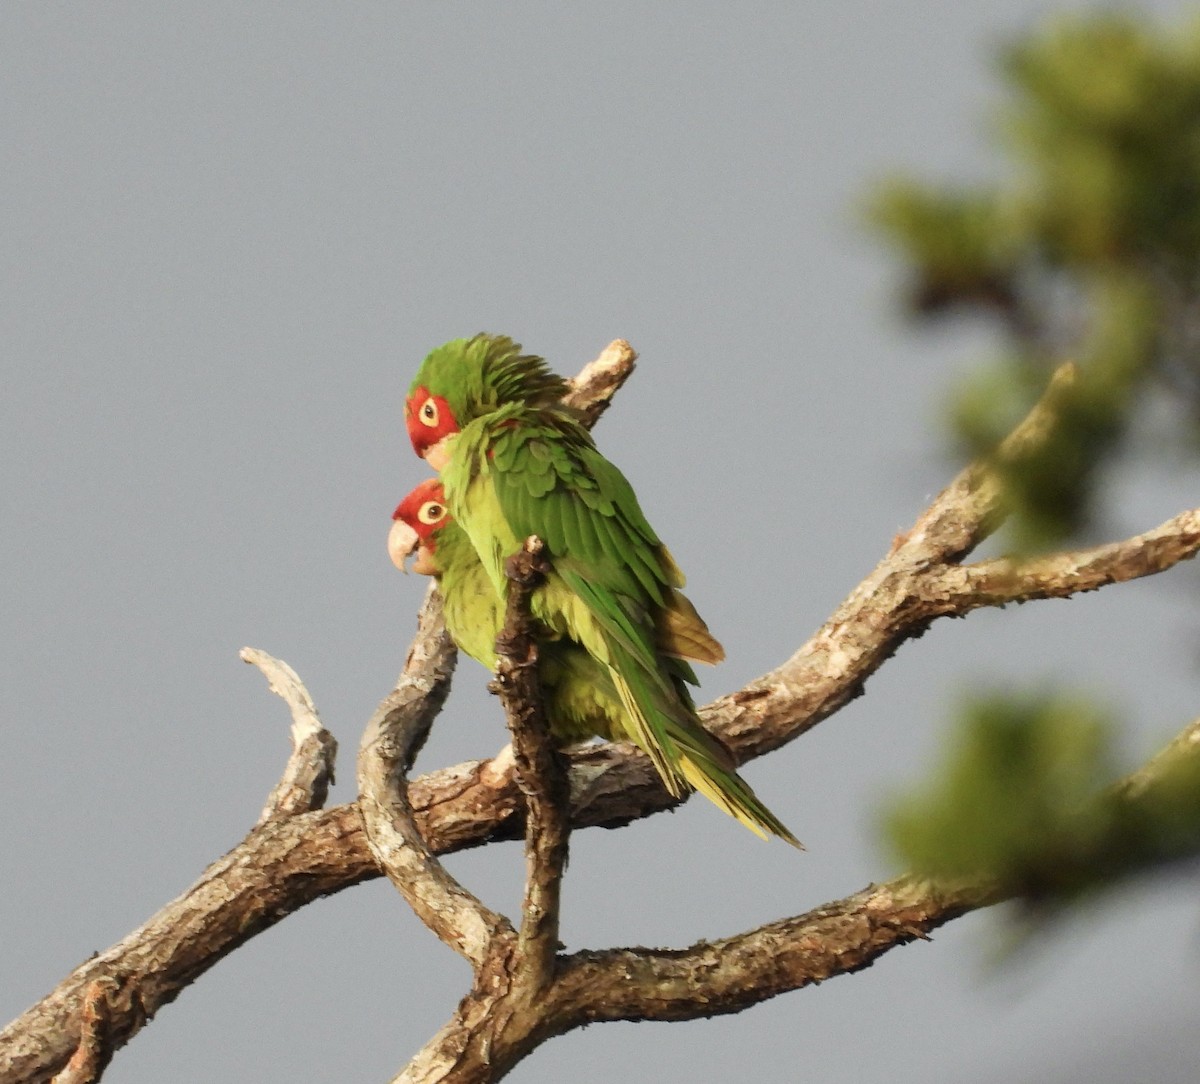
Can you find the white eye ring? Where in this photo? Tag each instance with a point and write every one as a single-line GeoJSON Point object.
{"type": "Point", "coordinates": [429, 414]}
{"type": "Point", "coordinates": [431, 512]}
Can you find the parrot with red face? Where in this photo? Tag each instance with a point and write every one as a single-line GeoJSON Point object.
{"type": "Point", "coordinates": [582, 698]}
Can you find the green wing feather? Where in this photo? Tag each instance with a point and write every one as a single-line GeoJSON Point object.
{"type": "Point", "coordinates": [612, 591]}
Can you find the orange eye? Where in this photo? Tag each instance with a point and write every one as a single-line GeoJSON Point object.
{"type": "Point", "coordinates": [429, 414]}
{"type": "Point", "coordinates": [431, 512]}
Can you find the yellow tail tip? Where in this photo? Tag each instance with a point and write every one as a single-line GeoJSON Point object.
{"type": "Point", "coordinates": [747, 811]}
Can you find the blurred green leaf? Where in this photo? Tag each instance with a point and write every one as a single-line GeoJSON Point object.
{"type": "Point", "coordinates": [1007, 803]}
{"type": "Point", "coordinates": [1087, 250]}
{"type": "Point", "coordinates": [1025, 798]}
{"type": "Point", "coordinates": [958, 242]}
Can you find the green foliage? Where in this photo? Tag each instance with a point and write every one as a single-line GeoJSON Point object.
{"type": "Point", "coordinates": [1107, 124]}
{"type": "Point", "coordinates": [1025, 799]}
{"type": "Point", "coordinates": [958, 242]}
{"type": "Point", "coordinates": [1089, 250]}
{"type": "Point", "coordinates": [1006, 803]}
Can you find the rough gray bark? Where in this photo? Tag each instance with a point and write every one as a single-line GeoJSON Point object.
{"type": "Point", "coordinates": [300, 852]}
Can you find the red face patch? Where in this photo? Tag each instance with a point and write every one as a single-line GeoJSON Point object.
{"type": "Point", "coordinates": [429, 418]}
{"type": "Point", "coordinates": [424, 510]}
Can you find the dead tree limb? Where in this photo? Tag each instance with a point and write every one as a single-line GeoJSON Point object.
{"type": "Point", "coordinates": [389, 746]}
{"type": "Point", "coordinates": [502, 1018]}
{"type": "Point", "coordinates": [287, 862]}
{"type": "Point", "coordinates": [308, 775]}
{"type": "Point", "coordinates": [541, 772]}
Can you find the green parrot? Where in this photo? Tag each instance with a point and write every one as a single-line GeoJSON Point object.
{"type": "Point", "coordinates": [581, 698]}
{"type": "Point", "coordinates": [515, 462]}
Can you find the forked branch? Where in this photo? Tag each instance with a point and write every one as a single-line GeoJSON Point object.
{"type": "Point", "coordinates": [290, 861]}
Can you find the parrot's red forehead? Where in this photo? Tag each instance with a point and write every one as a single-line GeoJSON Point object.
{"type": "Point", "coordinates": [428, 490]}
{"type": "Point", "coordinates": [429, 419]}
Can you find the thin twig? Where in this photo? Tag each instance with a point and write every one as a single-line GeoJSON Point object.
{"type": "Point", "coordinates": [306, 778]}
{"type": "Point", "coordinates": [540, 769]}
{"type": "Point", "coordinates": [1059, 575]}
{"type": "Point", "coordinates": [592, 390]}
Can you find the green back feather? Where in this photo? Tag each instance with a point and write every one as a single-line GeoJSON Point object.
{"type": "Point", "coordinates": [520, 471]}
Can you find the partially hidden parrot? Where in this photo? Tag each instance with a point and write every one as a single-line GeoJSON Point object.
{"type": "Point", "coordinates": [581, 699]}
{"type": "Point", "coordinates": [514, 462]}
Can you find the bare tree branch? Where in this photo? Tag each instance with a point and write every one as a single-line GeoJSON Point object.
{"type": "Point", "coordinates": [286, 863]}
{"type": "Point", "coordinates": [390, 743]}
{"type": "Point", "coordinates": [95, 1050]}
{"type": "Point", "coordinates": [905, 593]}
{"type": "Point", "coordinates": [726, 976]}
{"type": "Point", "coordinates": [308, 775]}
{"type": "Point", "coordinates": [281, 865]}
{"type": "Point", "coordinates": [592, 390]}
{"type": "Point", "coordinates": [707, 979]}
{"type": "Point", "coordinates": [712, 978]}
{"type": "Point", "coordinates": [540, 771]}
{"type": "Point", "coordinates": [1058, 575]}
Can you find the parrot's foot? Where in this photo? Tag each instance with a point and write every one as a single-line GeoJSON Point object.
{"type": "Point", "coordinates": [496, 772]}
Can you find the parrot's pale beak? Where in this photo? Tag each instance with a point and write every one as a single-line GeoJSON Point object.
{"type": "Point", "coordinates": [402, 543]}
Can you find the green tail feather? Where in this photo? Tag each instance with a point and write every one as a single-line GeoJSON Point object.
{"type": "Point", "coordinates": [727, 790]}
{"type": "Point", "coordinates": [685, 755]}
{"type": "Point", "coordinates": [656, 713]}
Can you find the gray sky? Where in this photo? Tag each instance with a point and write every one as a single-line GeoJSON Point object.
{"type": "Point", "coordinates": [230, 235]}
